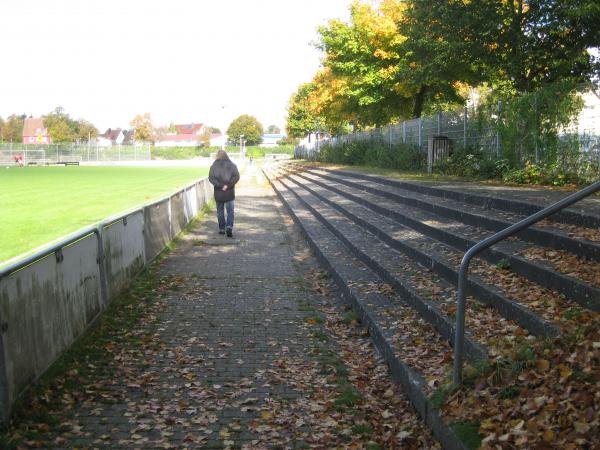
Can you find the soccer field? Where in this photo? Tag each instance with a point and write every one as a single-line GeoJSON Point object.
{"type": "Point", "coordinates": [41, 204]}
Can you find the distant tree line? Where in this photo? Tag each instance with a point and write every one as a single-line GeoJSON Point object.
{"type": "Point", "coordinates": [61, 127]}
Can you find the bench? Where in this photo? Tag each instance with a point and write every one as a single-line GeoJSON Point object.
{"type": "Point", "coordinates": [63, 163]}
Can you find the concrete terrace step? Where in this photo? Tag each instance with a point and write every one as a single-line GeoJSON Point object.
{"type": "Point", "coordinates": [491, 219]}
{"type": "Point", "coordinates": [388, 265]}
{"type": "Point", "coordinates": [425, 251]}
{"type": "Point", "coordinates": [462, 237]}
{"type": "Point", "coordinates": [522, 201]}
{"type": "Point", "coordinates": [418, 252]}
{"type": "Point", "coordinates": [403, 339]}
{"type": "Point", "coordinates": [414, 283]}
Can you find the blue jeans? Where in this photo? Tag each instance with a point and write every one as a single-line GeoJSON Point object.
{"type": "Point", "coordinates": [221, 207]}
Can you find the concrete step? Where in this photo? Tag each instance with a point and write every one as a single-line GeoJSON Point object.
{"type": "Point", "coordinates": [462, 237]}
{"type": "Point", "coordinates": [403, 339]}
{"type": "Point", "coordinates": [491, 219]}
{"type": "Point", "coordinates": [517, 201]}
{"type": "Point", "coordinates": [431, 255]}
{"type": "Point", "coordinates": [395, 269]}
{"type": "Point", "coordinates": [486, 325]}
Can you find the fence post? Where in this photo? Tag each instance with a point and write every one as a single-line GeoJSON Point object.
{"type": "Point", "coordinates": [535, 136]}
{"type": "Point", "coordinates": [420, 132]}
{"type": "Point", "coordinates": [404, 131]}
{"type": "Point", "coordinates": [465, 127]}
{"type": "Point", "coordinates": [498, 146]}
{"type": "Point", "coordinates": [439, 123]}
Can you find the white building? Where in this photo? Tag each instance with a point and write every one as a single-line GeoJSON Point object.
{"type": "Point", "coordinates": [271, 140]}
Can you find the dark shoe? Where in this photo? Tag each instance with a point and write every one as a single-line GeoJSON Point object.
{"type": "Point", "coordinates": [221, 231]}
{"type": "Point", "coordinates": [229, 232]}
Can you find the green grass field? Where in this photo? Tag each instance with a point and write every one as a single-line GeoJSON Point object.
{"type": "Point", "coordinates": [41, 204]}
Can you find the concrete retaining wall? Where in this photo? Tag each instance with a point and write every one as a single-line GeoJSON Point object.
{"type": "Point", "coordinates": [124, 251]}
{"type": "Point", "coordinates": [157, 228]}
{"type": "Point", "coordinates": [48, 300]}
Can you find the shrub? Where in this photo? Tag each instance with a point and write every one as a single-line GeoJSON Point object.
{"type": "Point", "coordinates": [400, 157]}
{"type": "Point", "coordinates": [471, 163]}
{"type": "Point", "coordinates": [551, 174]}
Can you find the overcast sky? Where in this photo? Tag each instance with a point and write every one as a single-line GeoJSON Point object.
{"type": "Point", "coordinates": [181, 60]}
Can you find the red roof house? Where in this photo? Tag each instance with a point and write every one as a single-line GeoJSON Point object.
{"type": "Point", "coordinates": [189, 128]}
{"type": "Point", "coordinates": [34, 131]}
{"type": "Point", "coordinates": [188, 135]}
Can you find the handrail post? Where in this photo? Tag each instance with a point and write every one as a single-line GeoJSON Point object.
{"type": "Point", "coordinates": [459, 339]}
{"type": "Point", "coordinates": [487, 243]}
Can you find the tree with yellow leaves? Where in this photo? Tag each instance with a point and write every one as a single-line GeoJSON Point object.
{"type": "Point", "coordinates": [143, 128]}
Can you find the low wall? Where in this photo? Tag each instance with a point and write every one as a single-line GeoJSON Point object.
{"type": "Point", "coordinates": [49, 299]}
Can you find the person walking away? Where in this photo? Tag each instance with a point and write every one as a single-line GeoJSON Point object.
{"type": "Point", "coordinates": [224, 175]}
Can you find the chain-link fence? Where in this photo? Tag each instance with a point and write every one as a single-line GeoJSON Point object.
{"type": "Point", "coordinates": [13, 153]}
{"type": "Point", "coordinates": [518, 133]}
{"type": "Point", "coordinates": [463, 127]}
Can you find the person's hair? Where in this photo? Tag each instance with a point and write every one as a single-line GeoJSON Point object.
{"type": "Point", "coordinates": [222, 154]}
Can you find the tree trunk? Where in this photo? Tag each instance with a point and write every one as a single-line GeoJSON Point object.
{"type": "Point", "coordinates": [419, 101]}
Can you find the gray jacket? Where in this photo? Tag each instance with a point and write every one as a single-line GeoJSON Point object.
{"type": "Point", "coordinates": [224, 172]}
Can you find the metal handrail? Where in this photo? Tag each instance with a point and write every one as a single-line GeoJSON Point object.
{"type": "Point", "coordinates": [485, 244]}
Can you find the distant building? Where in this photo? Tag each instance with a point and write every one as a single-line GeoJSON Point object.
{"type": "Point", "coordinates": [111, 137]}
{"type": "Point", "coordinates": [34, 132]}
{"type": "Point", "coordinates": [187, 135]}
{"type": "Point", "coordinates": [190, 128]}
{"type": "Point", "coordinates": [128, 137]}
{"type": "Point", "coordinates": [218, 140]}
{"type": "Point", "coordinates": [271, 140]}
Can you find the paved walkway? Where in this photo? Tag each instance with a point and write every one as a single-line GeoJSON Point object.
{"type": "Point", "coordinates": [248, 347]}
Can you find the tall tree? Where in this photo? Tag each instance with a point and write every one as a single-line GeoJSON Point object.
{"type": "Point", "coordinates": [13, 128]}
{"type": "Point", "coordinates": [143, 128]}
{"type": "Point", "coordinates": [371, 71]}
{"type": "Point", "coordinates": [61, 127]}
{"type": "Point", "coordinates": [85, 130]}
{"type": "Point", "coordinates": [365, 56]}
{"type": "Point", "coordinates": [248, 126]}
{"type": "Point", "coordinates": [519, 45]}
{"type": "Point", "coordinates": [300, 118]}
